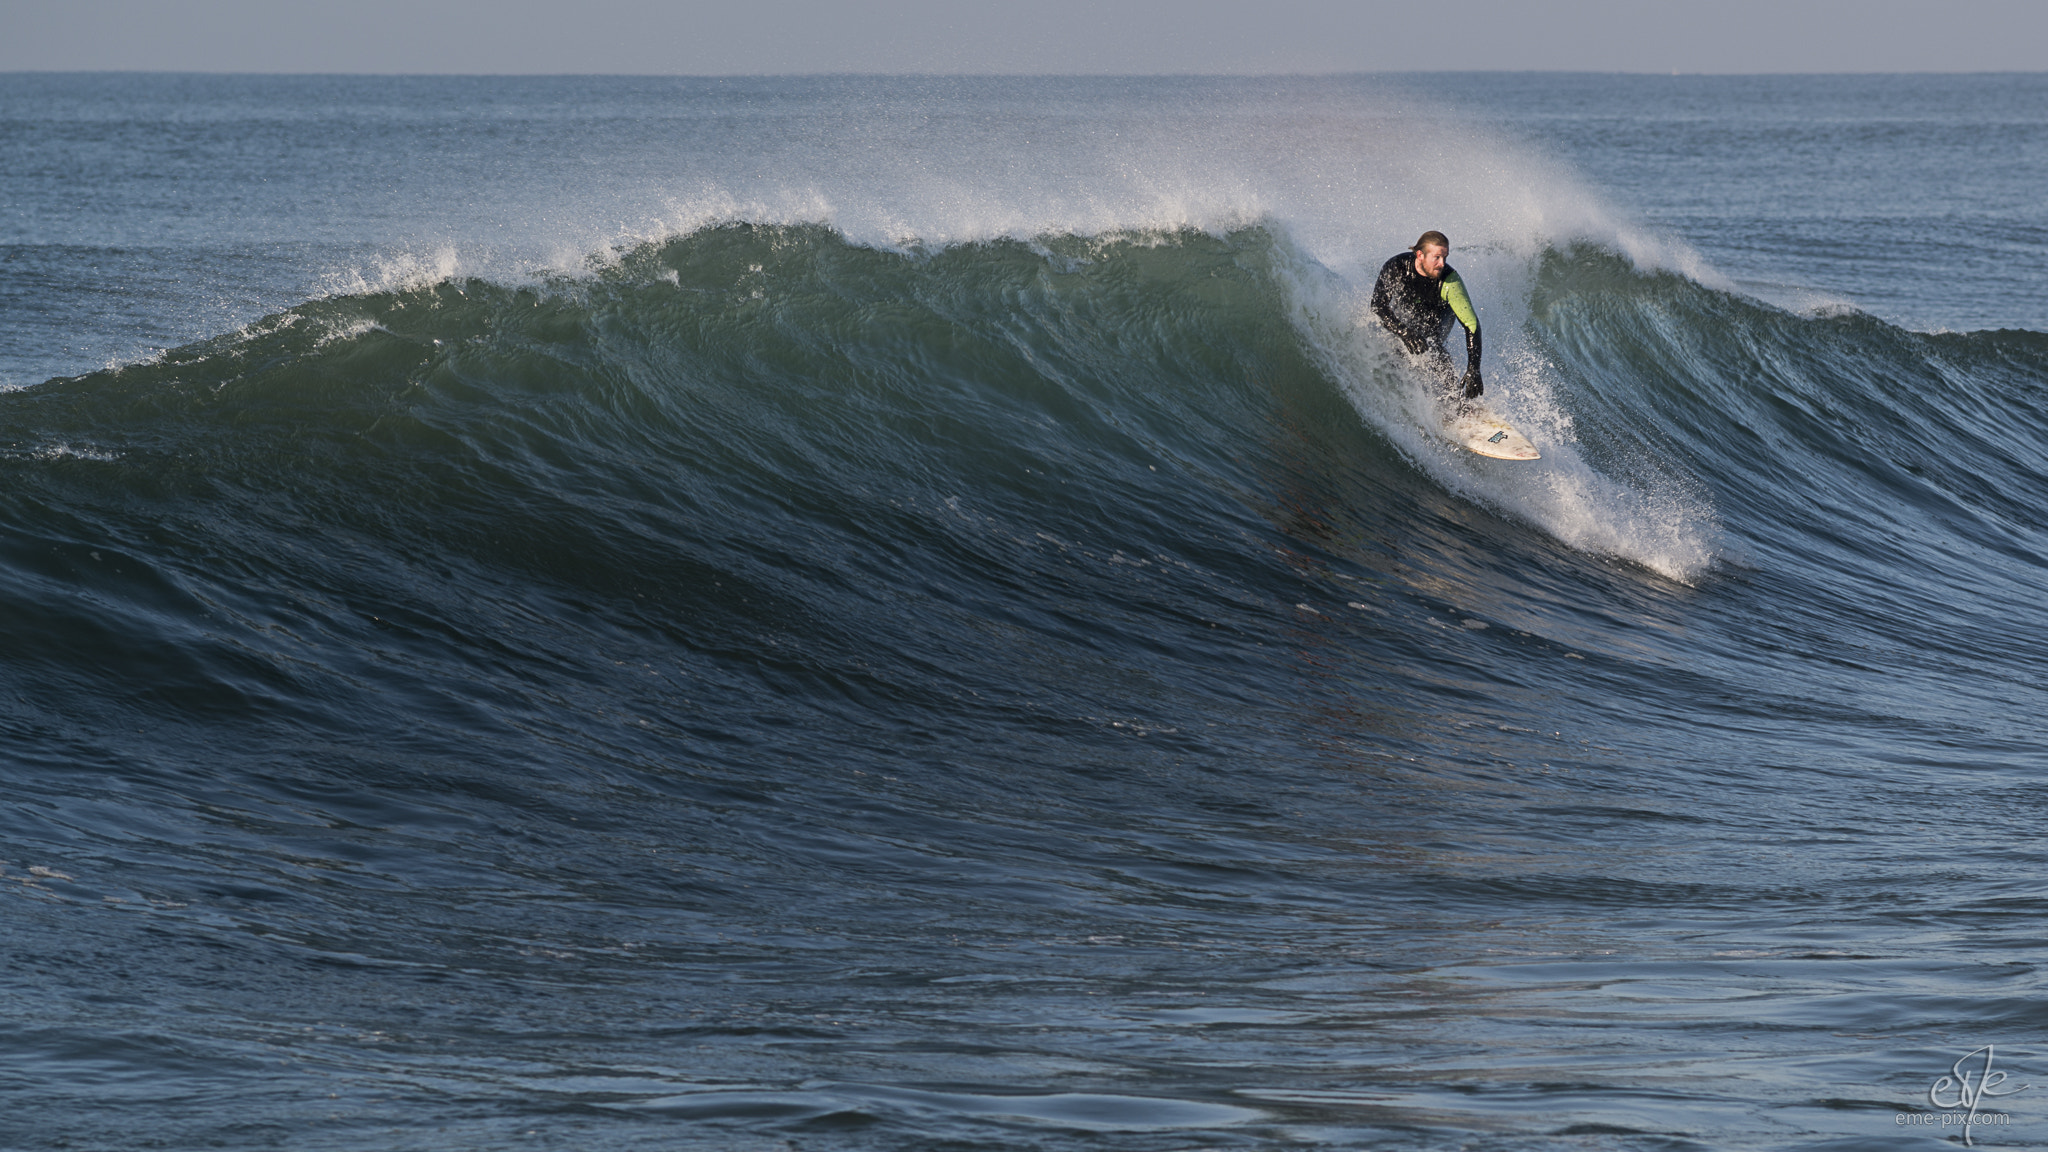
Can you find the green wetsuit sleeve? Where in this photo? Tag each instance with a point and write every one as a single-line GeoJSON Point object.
{"type": "Point", "coordinates": [1461, 304]}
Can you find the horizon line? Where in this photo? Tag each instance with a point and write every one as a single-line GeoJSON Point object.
{"type": "Point", "coordinates": [1019, 75]}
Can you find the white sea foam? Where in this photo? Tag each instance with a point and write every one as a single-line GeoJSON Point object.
{"type": "Point", "coordinates": [69, 452]}
{"type": "Point", "coordinates": [405, 268]}
{"type": "Point", "coordinates": [1658, 520]}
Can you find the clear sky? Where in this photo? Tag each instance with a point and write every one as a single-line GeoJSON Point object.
{"type": "Point", "coordinates": [1023, 36]}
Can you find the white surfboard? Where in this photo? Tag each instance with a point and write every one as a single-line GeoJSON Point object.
{"type": "Point", "coordinates": [1476, 427]}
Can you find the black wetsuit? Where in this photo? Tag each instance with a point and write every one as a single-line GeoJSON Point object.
{"type": "Point", "coordinates": [1420, 310]}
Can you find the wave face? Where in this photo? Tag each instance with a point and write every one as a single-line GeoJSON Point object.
{"type": "Point", "coordinates": [714, 697]}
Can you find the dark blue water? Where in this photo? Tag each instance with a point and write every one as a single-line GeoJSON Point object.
{"type": "Point", "coordinates": [903, 614]}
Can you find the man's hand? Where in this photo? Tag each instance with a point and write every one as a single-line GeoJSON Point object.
{"type": "Point", "coordinates": [1473, 384]}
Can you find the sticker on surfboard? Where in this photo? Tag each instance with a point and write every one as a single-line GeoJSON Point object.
{"type": "Point", "coordinates": [1479, 429]}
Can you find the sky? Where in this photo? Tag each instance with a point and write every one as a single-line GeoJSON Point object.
{"type": "Point", "coordinates": [670, 37]}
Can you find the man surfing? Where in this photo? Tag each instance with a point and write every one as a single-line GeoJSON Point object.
{"type": "Point", "coordinates": [1416, 297]}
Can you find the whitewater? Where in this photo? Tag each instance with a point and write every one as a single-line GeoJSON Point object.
{"type": "Point", "coordinates": [924, 613]}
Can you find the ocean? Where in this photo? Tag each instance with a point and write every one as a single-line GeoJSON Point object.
{"type": "Point", "coordinates": [924, 614]}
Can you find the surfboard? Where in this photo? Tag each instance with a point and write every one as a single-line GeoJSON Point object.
{"type": "Point", "coordinates": [1479, 429]}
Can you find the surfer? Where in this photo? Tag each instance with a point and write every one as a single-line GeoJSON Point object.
{"type": "Point", "coordinates": [1417, 296]}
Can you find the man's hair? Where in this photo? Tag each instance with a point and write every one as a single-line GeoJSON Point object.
{"type": "Point", "coordinates": [1429, 238]}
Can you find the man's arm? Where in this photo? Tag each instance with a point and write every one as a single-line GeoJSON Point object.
{"type": "Point", "coordinates": [1461, 307]}
{"type": "Point", "coordinates": [1380, 307]}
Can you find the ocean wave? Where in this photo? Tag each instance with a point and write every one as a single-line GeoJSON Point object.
{"type": "Point", "coordinates": [734, 431]}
